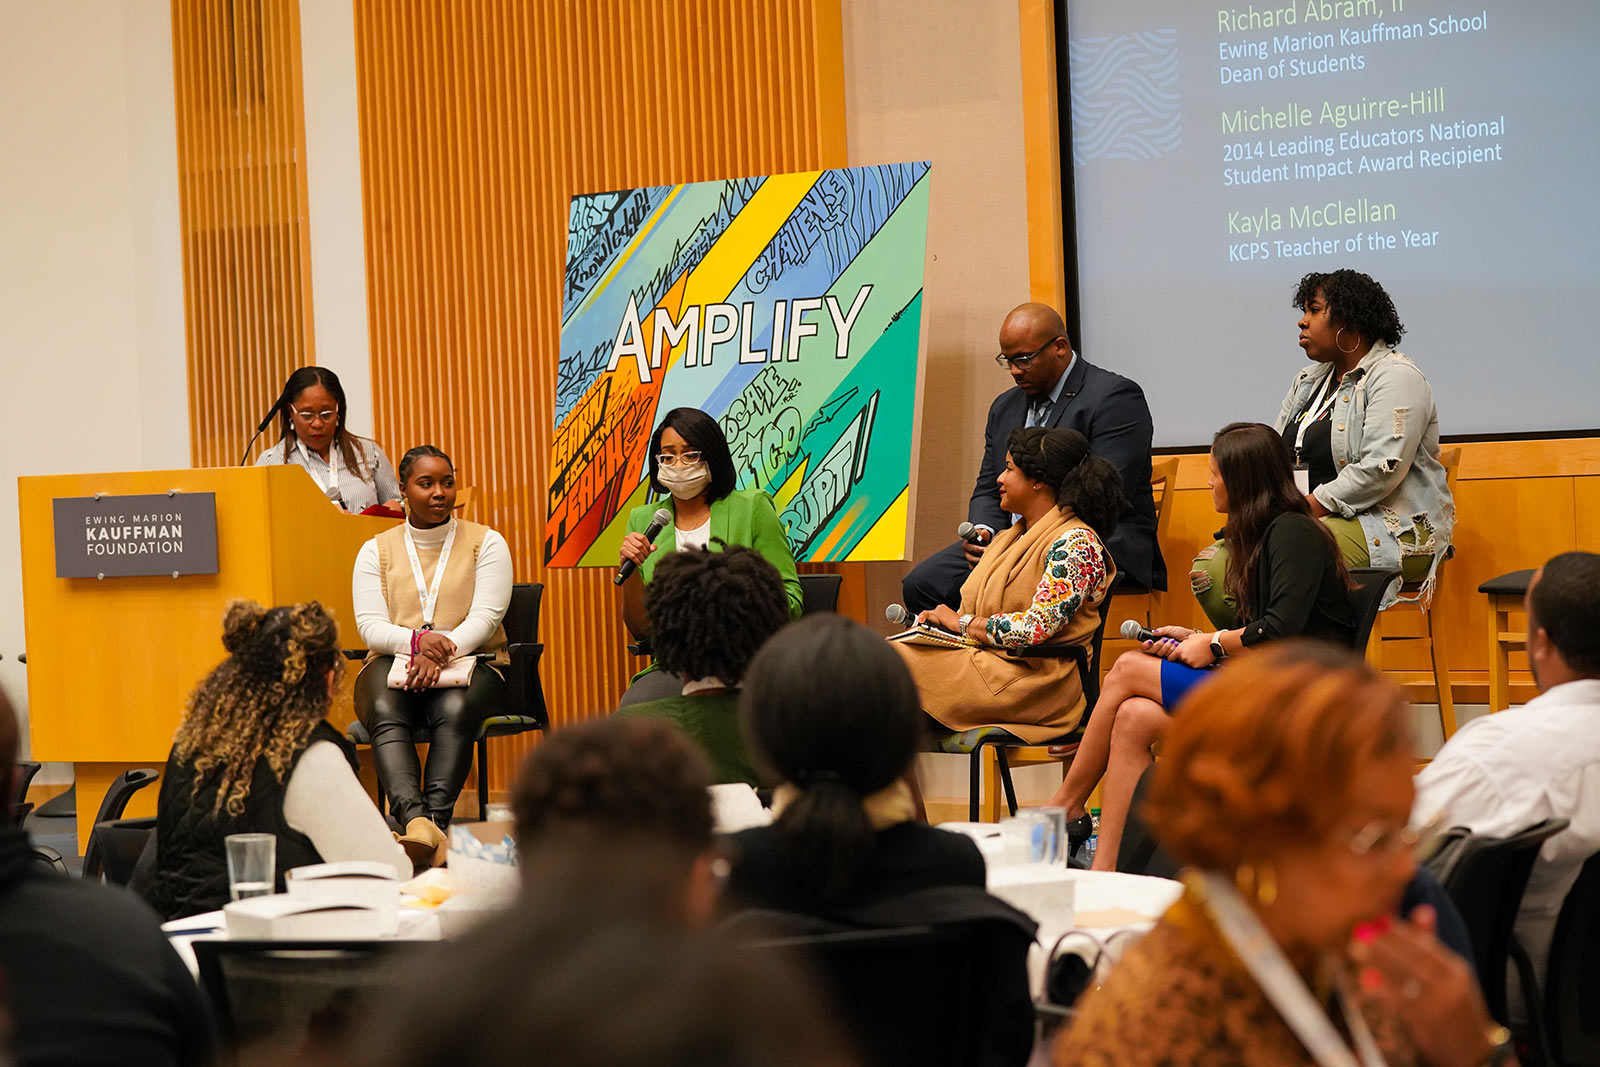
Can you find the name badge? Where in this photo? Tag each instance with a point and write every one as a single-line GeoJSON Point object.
{"type": "Point", "coordinates": [1302, 479]}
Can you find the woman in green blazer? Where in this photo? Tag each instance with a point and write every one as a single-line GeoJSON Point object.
{"type": "Point", "coordinates": [691, 465]}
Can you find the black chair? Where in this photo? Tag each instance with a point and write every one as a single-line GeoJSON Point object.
{"type": "Point", "coordinates": [117, 845]}
{"type": "Point", "coordinates": [1572, 975]}
{"type": "Point", "coordinates": [1486, 876]}
{"type": "Point", "coordinates": [45, 856]}
{"type": "Point", "coordinates": [819, 592]}
{"type": "Point", "coordinates": [1366, 598]}
{"type": "Point", "coordinates": [525, 707]}
{"type": "Point", "coordinates": [112, 806]}
{"type": "Point", "coordinates": [920, 991]}
{"type": "Point", "coordinates": [20, 807]}
{"type": "Point", "coordinates": [283, 999]}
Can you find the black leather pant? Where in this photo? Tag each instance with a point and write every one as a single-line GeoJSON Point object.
{"type": "Point", "coordinates": [452, 716]}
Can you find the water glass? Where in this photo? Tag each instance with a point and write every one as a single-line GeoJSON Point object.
{"type": "Point", "coordinates": [252, 864]}
{"type": "Point", "coordinates": [1056, 840]}
{"type": "Point", "coordinates": [1026, 836]}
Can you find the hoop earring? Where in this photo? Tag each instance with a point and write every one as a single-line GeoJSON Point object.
{"type": "Point", "coordinates": [1258, 882]}
{"type": "Point", "coordinates": [1347, 351]}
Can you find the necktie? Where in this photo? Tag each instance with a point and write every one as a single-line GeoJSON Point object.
{"type": "Point", "coordinates": [1038, 411]}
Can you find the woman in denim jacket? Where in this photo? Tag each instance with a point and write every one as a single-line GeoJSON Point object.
{"type": "Point", "coordinates": [1362, 429]}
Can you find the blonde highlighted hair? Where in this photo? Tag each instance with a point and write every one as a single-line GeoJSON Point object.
{"type": "Point", "coordinates": [263, 701]}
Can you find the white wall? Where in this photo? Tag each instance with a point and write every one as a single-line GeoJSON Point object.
{"type": "Point", "coordinates": [91, 271]}
{"type": "Point", "coordinates": [333, 187]}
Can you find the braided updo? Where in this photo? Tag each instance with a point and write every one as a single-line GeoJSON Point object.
{"type": "Point", "coordinates": [263, 700]}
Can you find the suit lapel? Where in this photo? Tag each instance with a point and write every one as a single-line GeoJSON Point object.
{"type": "Point", "coordinates": [1069, 392]}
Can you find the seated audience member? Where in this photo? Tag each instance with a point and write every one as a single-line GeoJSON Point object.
{"type": "Point", "coordinates": [432, 591]}
{"type": "Point", "coordinates": [1283, 567]}
{"type": "Point", "coordinates": [834, 715]}
{"type": "Point", "coordinates": [1041, 581]}
{"type": "Point", "coordinates": [86, 975]}
{"type": "Point", "coordinates": [313, 416]}
{"type": "Point", "coordinates": [557, 983]}
{"type": "Point", "coordinates": [692, 467]}
{"type": "Point", "coordinates": [1502, 773]}
{"type": "Point", "coordinates": [1285, 787]}
{"type": "Point", "coordinates": [1363, 432]}
{"type": "Point", "coordinates": [255, 754]}
{"type": "Point", "coordinates": [618, 793]}
{"type": "Point", "coordinates": [709, 612]}
{"type": "Point", "coordinates": [1055, 387]}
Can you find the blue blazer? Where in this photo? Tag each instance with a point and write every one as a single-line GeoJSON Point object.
{"type": "Point", "coordinates": [1111, 412]}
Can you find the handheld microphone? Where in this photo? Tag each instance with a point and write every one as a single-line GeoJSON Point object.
{"type": "Point", "coordinates": [897, 614]}
{"type": "Point", "coordinates": [658, 522]}
{"type": "Point", "coordinates": [971, 534]}
{"type": "Point", "coordinates": [277, 405]}
{"type": "Point", "coordinates": [1132, 631]}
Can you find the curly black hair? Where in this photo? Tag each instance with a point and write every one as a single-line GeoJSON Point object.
{"type": "Point", "coordinates": [1355, 302]}
{"type": "Point", "coordinates": [710, 611]}
{"type": "Point", "coordinates": [1087, 484]}
{"type": "Point", "coordinates": [617, 776]}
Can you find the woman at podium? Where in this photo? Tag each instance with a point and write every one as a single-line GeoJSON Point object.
{"type": "Point", "coordinates": [429, 595]}
{"type": "Point", "coordinates": [351, 470]}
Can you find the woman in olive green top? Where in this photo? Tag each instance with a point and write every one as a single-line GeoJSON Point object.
{"type": "Point", "coordinates": [691, 464]}
{"type": "Point", "coordinates": [709, 613]}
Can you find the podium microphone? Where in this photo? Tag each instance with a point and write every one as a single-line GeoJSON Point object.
{"type": "Point", "coordinates": [971, 534]}
{"type": "Point", "coordinates": [277, 405]}
{"type": "Point", "coordinates": [1132, 631]}
{"type": "Point", "coordinates": [658, 522]}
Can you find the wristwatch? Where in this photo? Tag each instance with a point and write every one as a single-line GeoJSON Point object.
{"type": "Point", "coordinates": [1217, 654]}
{"type": "Point", "coordinates": [962, 622]}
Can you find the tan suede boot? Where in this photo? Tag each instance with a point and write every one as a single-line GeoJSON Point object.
{"type": "Point", "coordinates": [425, 843]}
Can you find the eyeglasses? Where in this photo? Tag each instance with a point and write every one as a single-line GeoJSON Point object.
{"type": "Point", "coordinates": [1389, 839]}
{"type": "Point", "coordinates": [327, 415]}
{"type": "Point", "coordinates": [680, 459]}
{"type": "Point", "coordinates": [1022, 362]}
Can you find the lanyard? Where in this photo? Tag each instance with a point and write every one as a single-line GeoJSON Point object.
{"type": "Point", "coordinates": [1310, 416]}
{"type": "Point", "coordinates": [331, 488]}
{"type": "Point", "coordinates": [429, 594]}
{"type": "Point", "coordinates": [1283, 987]}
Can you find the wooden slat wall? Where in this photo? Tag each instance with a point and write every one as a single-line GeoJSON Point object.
{"type": "Point", "coordinates": [242, 201]}
{"type": "Point", "coordinates": [479, 121]}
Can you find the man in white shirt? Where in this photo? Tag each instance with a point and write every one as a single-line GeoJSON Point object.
{"type": "Point", "coordinates": [1503, 773]}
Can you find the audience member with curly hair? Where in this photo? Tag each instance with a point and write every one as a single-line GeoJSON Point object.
{"type": "Point", "coordinates": [709, 613]}
{"type": "Point", "coordinates": [618, 791]}
{"type": "Point", "coordinates": [256, 754]}
{"type": "Point", "coordinates": [1042, 580]}
{"type": "Point", "coordinates": [1285, 790]}
{"type": "Point", "coordinates": [1363, 434]}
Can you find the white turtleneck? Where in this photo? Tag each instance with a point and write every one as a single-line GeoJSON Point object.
{"type": "Point", "coordinates": [491, 595]}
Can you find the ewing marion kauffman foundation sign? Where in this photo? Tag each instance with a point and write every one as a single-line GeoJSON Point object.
{"type": "Point", "coordinates": [128, 536]}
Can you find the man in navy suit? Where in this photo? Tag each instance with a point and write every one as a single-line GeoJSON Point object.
{"type": "Point", "coordinates": [1055, 387]}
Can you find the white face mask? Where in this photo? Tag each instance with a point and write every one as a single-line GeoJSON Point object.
{"type": "Point", "coordinates": [685, 483]}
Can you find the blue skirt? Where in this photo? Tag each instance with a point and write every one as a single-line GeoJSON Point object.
{"type": "Point", "coordinates": [1176, 681]}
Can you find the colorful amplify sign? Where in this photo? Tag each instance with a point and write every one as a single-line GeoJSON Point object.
{"type": "Point", "coordinates": [788, 308]}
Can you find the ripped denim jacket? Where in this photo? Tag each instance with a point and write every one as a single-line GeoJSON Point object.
{"type": "Point", "coordinates": [1386, 451]}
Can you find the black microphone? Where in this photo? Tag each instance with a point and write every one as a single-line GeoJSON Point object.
{"type": "Point", "coordinates": [658, 522]}
{"type": "Point", "coordinates": [277, 405]}
{"type": "Point", "coordinates": [1132, 631]}
{"type": "Point", "coordinates": [972, 535]}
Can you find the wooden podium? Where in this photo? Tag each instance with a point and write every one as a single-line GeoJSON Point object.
{"type": "Point", "coordinates": [112, 661]}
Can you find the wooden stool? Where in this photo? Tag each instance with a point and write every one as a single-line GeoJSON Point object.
{"type": "Point", "coordinates": [1431, 637]}
{"type": "Point", "coordinates": [1144, 605]}
{"type": "Point", "coordinates": [1506, 594]}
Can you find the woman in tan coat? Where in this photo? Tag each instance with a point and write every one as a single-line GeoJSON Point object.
{"type": "Point", "coordinates": [430, 594]}
{"type": "Point", "coordinates": [1040, 582]}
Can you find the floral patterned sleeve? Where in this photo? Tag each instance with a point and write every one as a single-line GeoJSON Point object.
{"type": "Point", "coordinates": [1074, 568]}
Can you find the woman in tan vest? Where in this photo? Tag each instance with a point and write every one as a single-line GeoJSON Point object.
{"type": "Point", "coordinates": [1040, 582]}
{"type": "Point", "coordinates": [429, 594]}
